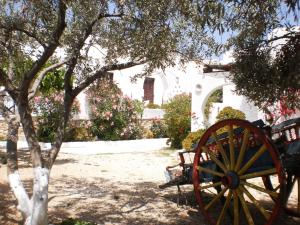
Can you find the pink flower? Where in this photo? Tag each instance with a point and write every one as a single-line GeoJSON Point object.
{"type": "Point", "coordinates": [37, 99]}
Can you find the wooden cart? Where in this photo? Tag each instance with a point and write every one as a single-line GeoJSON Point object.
{"type": "Point", "coordinates": [244, 173]}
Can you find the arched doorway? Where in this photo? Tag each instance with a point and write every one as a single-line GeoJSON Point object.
{"type": "Point", "coordinates": [204, 86]}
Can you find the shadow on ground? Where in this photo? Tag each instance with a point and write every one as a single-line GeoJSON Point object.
{"type": "Point", "coordinates": [106, 202]}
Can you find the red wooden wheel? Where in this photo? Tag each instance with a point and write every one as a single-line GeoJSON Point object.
{"type": "Point", "coordinates": [228, 183]}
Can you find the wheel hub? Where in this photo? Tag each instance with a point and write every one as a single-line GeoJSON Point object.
{"type": "Point", "coordinates": [231, 180]}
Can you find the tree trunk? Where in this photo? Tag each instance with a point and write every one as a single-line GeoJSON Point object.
{"type": "Point", "coordinates": [39, 199]}
{"type": "Point", "coordinates": [34, 210]}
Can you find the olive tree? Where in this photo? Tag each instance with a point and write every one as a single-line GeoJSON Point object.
{"type": "Point", "coordinates": [267, 54]}
{"type": "Point", "coordinates": [37, 37]}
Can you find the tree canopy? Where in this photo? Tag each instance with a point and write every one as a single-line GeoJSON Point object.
{"type": "Point", "coordinates": [267, 77]}
{"type": "Point", "coordinates": [267, 55]}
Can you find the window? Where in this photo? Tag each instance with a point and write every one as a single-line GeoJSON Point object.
{"type": "Point", "coordinates": [149, 89]}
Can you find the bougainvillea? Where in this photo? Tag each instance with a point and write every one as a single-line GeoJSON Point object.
{"type": "Point", "coordinates": [280, 110]}
{"type": "Point", "coordinates": [114, 116]}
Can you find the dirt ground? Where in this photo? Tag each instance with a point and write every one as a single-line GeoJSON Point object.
{"type": "Point", "coordinates": [111, 189]}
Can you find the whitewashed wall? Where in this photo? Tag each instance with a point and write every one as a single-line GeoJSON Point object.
{"type": "Point", "coordinates": [168, 83]}
{"type": "Point", "coordinates": [176, 80]}
{"type": "Point", "coordinates": [204, 86]}
{"type": "Point", "coordinates": [252, 113]}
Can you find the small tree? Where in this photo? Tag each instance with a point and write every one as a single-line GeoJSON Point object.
{"type": "Point", "coordinates": [230, 113]}
{"type": "Point", "coordinates": [178, 119]}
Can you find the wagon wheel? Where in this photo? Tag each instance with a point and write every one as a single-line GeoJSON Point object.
{"type": "Point", "coordinates": [226, 185]}
{"type": "Point", "coordinates": [292, 195]}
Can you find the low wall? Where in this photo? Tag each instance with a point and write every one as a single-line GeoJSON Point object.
{"type": "Point", "coordinates": [104, 147]}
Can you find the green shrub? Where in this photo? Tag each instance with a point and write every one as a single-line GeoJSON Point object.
{"type": "Point", "coordinates": [113, 115]}
{"type": "Point", "coordinates": [192, 139]}
{"type": "Point", "coordinates": [152, 106]}
{"type": "Point", "coordinates": [158, 129]}
{"type": "Point", "coordinates": [178, 119]}
{"type": "Point", "coordinates": [230, 113]}
{"type": "Point", "coordinates": [78, 134]}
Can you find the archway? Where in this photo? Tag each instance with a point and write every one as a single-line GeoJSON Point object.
{"type": "Point", "coordinates": [214, 98]}
{"type": "Point", "coordinates": [204, 86]}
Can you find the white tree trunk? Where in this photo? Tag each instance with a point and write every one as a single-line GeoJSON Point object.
{"type": "Point", "coordinates": [34, 210]}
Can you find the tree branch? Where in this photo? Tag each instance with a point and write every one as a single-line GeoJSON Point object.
{"type": "Point", "coordinates": [209, 67]}
{"type": "Point", "coordinates": [287, 35]}
{"type": "Point", "coordinates": [41, 76]}
{"type": "Point", "coordinates": [49, 50]}
{"type": "Point", "coordinates": [73, 59]}
{"type": "Point", "coordinates": [16, 27]}
{"type": "Point", "coordinates": [101, 73]}
{"type": "Point", "coordinates": [7, 83]}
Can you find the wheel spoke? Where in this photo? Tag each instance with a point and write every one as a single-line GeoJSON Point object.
{"type": "Point", "coordinates": [225, 207]}
{"type": "Point", "coordinates": [231, 147]}
{"type": "Point", "coordinates": [210, 185]}
{"type": "Point", "coordinates": [245, 207]}
{"type": "Point", "coordinates": [200, 168]}
{"type": "Point", "coordinates": [272, 193]}
{"type": "Point", "coordinates": [213, 158]}
{"type": "Point", "coordinates": [278, 186]}
{"type": "Point", "coordinates": [262, 149]}
{"type": "Point", "coordinates": [256, 203]}
{"type": "Point", "coordinates": [258, 174]}
{"type": "Point", "coordinates": [236, 219]}
{"type": "Point", "coordinates": [221, 149]}
{"type": "Point", "coordinates": [219, 195]}
{"type": "Point", "coordinates": [243, 149]}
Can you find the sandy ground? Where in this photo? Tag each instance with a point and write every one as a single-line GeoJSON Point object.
{"type": "Point", "coordinates": [111, 189]}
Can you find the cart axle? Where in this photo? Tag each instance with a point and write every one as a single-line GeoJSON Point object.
{"type": "Point", "coordinates": [231, 180]}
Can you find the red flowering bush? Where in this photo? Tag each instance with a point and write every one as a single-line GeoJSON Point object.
{"type": "Point", "coordinates": [49, 110]}
{"type": "Point", "coordinates": [281, 110]}
{"type": "Point", "coordinates": [113, 115]}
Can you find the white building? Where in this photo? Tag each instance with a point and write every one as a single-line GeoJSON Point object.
{"type": "Point", "coordinates": [163, 85]}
